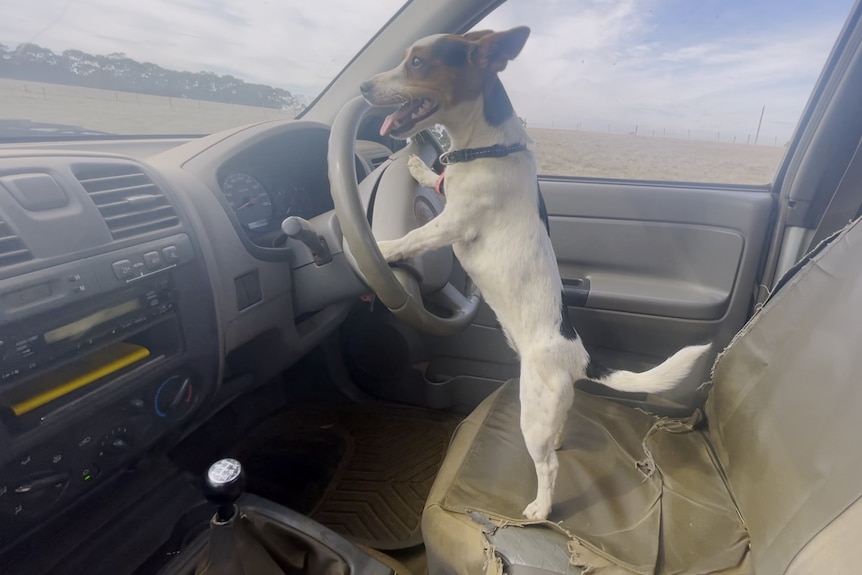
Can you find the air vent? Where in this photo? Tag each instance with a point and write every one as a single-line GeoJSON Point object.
{"type": "Point", "coordinates": [12, 249]}
{"type": "Point", "coordinates": [129, 201]}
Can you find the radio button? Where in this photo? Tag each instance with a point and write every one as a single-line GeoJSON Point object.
{"type": "Point", "coordinates": [122, 269]}
{"type": "Point", "coordinates": [152, 260]}
{"type": "Point", "coordinates": [118, 441]}
{"type": "Point", "coordinates": [90, 472]}
{"type": "Point", "coordinates": [171, 254]}
{"type": "Point", "coordinates": [9, 374]}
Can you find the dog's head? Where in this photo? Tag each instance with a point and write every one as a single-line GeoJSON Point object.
{"type": "Point", "coordinates": [439, 73]}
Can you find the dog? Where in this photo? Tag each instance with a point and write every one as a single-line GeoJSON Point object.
{"type": "Point", "coordinates": [491, 219]}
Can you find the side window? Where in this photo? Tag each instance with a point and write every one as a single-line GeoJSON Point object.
{"type": "Point", "coordinates": [673, 90]}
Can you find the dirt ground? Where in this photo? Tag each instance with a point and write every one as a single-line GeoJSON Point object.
{"type": "Point", "coordinates": [570, 153]}
{"type": "Point", "coordinates": [559, 152]}
{"type": "Point", "coordinates": [124, 112]}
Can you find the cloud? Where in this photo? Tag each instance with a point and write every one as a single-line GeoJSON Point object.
{"type": "Point", "coordinates": [614, 64]}
{"type": "Point", "coordinates": [663, 65]}
{"type": "Point", "coordinates": [296, 45]}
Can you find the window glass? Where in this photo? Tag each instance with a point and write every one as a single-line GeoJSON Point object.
{"type": "Point", "coordinates": [163, 67]}
{"type": "Point", "coordinates": [705, 91]}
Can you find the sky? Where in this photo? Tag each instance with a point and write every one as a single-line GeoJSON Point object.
{"type": "Point", "coordinates": [685, 68]}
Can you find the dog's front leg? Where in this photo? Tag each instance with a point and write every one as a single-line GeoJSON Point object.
{"type": "Point", "coordinates": [424, 176]}
{"type": "Point", "coordinates": [444, 230]}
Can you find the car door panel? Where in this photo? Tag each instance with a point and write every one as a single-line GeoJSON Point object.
{"type": "Point", "coordinates": [693, 279]}
{"type": "Point", "coordinates": [648, 267]}
{"type": "Point", "coordinates": [658, 257]}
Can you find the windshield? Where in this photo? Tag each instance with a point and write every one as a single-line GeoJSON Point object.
{"type": "Point", "coordinates": [162, 67]}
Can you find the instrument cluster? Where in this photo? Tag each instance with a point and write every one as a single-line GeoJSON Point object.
{"type": "Point", "coordinates": [261, 204]}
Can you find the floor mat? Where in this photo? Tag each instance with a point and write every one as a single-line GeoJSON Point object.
{"type": "Point", "coordinates": [363, 471]}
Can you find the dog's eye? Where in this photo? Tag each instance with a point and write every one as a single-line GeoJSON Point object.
{"type": "Point", "coordinates": [416, 62]}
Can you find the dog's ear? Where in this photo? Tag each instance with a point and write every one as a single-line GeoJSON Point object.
{"type": "Point", "coordinates": [477, 35]}
{"type": "Point", "coordinates": [498, 48]}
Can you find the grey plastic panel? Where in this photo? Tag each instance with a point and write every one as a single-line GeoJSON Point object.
{"type": "Point", "coordinates": [53, 230]}
{"type": "Point", "coordinates": [139, 149]}
{"type": "Point", "coordinates": [45, 290]}
{"type": "Point", "coordinates": [666, 269]}
{"type": "Point", "coordinates": [702, 245]}
{"type": "Point", "coordinates": [35, 192]}
{"type": "Point", "coordinates": [194, 167]}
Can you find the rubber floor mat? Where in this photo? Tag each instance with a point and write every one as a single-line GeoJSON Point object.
{"type": "Point", "coordinates": [363, 471]}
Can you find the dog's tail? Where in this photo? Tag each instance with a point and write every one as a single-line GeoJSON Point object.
{"type": "Point", "coordinates": [662, 377]}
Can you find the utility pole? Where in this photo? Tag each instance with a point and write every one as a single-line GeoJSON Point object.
{"type": "Point", "coordinates": [757, 135]}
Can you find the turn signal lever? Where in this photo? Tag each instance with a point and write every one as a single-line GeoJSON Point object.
{"type": "Point", "coordinates": [300, 229]}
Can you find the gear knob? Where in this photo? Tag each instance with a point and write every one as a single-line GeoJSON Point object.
{"type": "Point", "coordinates": [224, 483]}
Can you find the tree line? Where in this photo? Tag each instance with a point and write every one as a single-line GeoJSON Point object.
{"type": "Point", "coordinates": [120, 73]}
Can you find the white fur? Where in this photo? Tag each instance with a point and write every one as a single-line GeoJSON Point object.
{"type": "Point", "coordinates": [491, 220]}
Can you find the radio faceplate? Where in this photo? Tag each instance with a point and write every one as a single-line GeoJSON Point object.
{"type": "Point", "coordinates": [31, 346]}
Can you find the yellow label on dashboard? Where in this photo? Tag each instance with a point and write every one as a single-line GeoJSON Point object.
{"type": "Point", "coordinates": [79, 373]}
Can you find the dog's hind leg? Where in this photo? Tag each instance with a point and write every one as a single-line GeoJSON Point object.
{"type": "Point", "coordinates": [558, 438]}
{"type": "Point", "coordinates": [546, 396]}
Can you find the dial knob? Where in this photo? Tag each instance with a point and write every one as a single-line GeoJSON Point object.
{"type": "Point", "coordinates": [174, 397]}
{"type": "Point", "coordinates": [117, 441]}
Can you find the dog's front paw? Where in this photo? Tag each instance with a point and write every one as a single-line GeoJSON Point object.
{"type": "Point", "coordinates": [424, 175]}
{"type": "Point", "coordinates": [538, 510]}
{"type": "Point", "coordinates": [390, 251]}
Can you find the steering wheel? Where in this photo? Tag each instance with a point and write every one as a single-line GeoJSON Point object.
{"type": "Point", "coordinates": [397, 205]}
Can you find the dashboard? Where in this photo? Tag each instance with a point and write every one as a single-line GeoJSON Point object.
{"type": "Point", "coordinates": [140, 293]}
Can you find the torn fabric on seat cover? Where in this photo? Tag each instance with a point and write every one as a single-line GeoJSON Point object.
{"type": "Point", "coordinates": [785, 404]}
{"type": "Point", "coordinates": [663, 510]}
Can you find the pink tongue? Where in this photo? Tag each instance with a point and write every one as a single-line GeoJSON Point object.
{"type": "Point", "coordinates": [399, 114]}
{"type": "Point", "coordinates": [388, 123]}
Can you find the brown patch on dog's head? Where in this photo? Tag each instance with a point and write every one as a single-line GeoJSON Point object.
{"type": "Point", "coordinates": [441, 72]}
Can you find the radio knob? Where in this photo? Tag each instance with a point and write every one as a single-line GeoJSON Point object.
{"type": "Point", "coordinates": [174, 397]}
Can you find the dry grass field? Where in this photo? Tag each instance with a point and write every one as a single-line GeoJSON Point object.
{"type": "Point", "coordinates": [559, 152]}
{"type": "Point", "coordinates": [563, 152]}
{"type": "Point", "coordinates": [123, 112]}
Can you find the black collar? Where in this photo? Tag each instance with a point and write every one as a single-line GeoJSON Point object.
{"type": "Point", "coordinates": [470, 154]}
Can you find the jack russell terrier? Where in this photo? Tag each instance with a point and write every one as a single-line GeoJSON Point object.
{"type": "Point", "coordinates": [492, 221]}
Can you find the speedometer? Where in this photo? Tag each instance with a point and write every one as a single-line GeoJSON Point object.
{"type": "Point", "coordinates": [249, 200]}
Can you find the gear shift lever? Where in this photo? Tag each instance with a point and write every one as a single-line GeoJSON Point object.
{"type": "Point", "coordinates": [233, 549]}
{"type": "Point", "coordinates": [223, 485]}
{"type": "Point", "coordinates": [259, 537]}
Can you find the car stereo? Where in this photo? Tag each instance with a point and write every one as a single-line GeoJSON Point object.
{"type": "Point", "coordinates": [24, 352]}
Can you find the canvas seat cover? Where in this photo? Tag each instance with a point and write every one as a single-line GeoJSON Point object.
{"type": "Point", "coordinates": [765, 483]}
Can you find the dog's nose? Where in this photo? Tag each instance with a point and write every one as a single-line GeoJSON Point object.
{"type": "Point", "coordinates": [365, 87]}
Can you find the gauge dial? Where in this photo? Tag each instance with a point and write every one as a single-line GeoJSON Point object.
{"type": "Point", "coordinates": [249, 200]}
